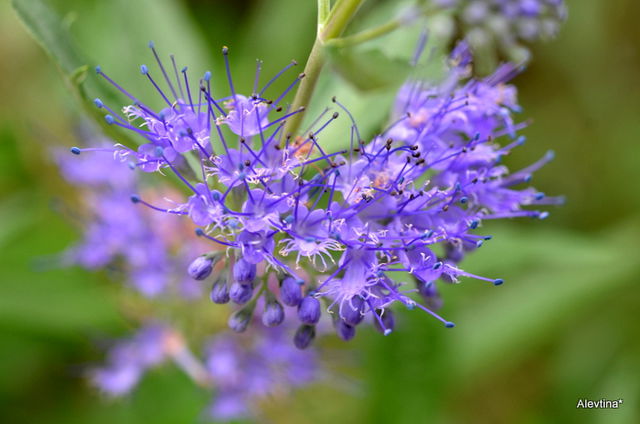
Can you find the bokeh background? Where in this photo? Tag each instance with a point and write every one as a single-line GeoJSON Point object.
{"type": "Point", "coordinates": [564, 327]}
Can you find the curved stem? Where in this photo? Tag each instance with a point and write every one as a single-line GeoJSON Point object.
{"type": "Point", "coordinates": [367, 35]}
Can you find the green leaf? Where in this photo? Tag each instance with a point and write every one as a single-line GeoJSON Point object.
{"type": "Point", "coordinates": [47, 29]}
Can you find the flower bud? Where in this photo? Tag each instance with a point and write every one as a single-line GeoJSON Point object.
{"type": "Point", "coordinates": [304, 336]}
{"type": "Point", "coordinates": [388, 321]}
{"type": "Point", "coordinates": [352, 310]}
{"type": "Point", "coordinates": [220, 291]}
{"type": "Point", "coordinates": [240, 293]}
{"type": "Point", "coordinates": [309, 310]}
{"type": "Point", "coordinates": [345, 331]}
{"type": "Point", "coordinates": [273, 314]}
{"type": "Point", "coordinates": [200, 268]}
{"type": "Point", "coordinates": [244, 272]}
{"type": "Point", "coordinates": [290, 292]}
{"type": "Point", "coordinates": [430, 294]}
{"type": "Point", "coordinates": [240, 319]}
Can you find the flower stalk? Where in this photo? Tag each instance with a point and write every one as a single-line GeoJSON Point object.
{"type": "Point", "coordinates": [331, 24]}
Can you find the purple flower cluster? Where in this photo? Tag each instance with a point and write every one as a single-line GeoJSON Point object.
{"type": "Point", "coordinates": [117, 235]}
{"type": "Point", "coordinates": [242, 370]}
{"type": "Point", "coordinates": [130, 359]}
{"type": "Point", "coordinates": [114, 229]}
{"type": "Point", "coordinates": [508, 21]}
{"type": "Point", "coordinates": [334, 229]}
{"type": "Point", "coordinates": [250, 369]}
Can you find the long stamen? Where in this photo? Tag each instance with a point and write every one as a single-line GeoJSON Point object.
{"type": "Point", "coordinates": [145, 71]}
{"type": "Point", "coordinates": [164, 72]}
{"type": "Point", "coordinates": [272, 80]}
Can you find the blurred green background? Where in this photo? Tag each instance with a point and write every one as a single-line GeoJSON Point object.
{"type": "Point", "coordinates": [564, 327]}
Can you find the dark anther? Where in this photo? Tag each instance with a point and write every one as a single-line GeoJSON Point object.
{"type": "Point", "coordinates": [247, 162]}
{"type": "Point", "coordinates": [335, 115]}
{"type": "Point", "coordinates": [279, 109]}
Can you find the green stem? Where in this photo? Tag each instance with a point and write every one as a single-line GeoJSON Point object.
{"type": "Point", "coordinates": [406, 18]}
{"type": "Point", "coordinates": [340, 17]}
{"type": "Point", "coordinates": [367, 35]}
{"type": "Point", "coordinates": [336, 22]}
{"type": "Point", "coordinates": [324, 8]}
